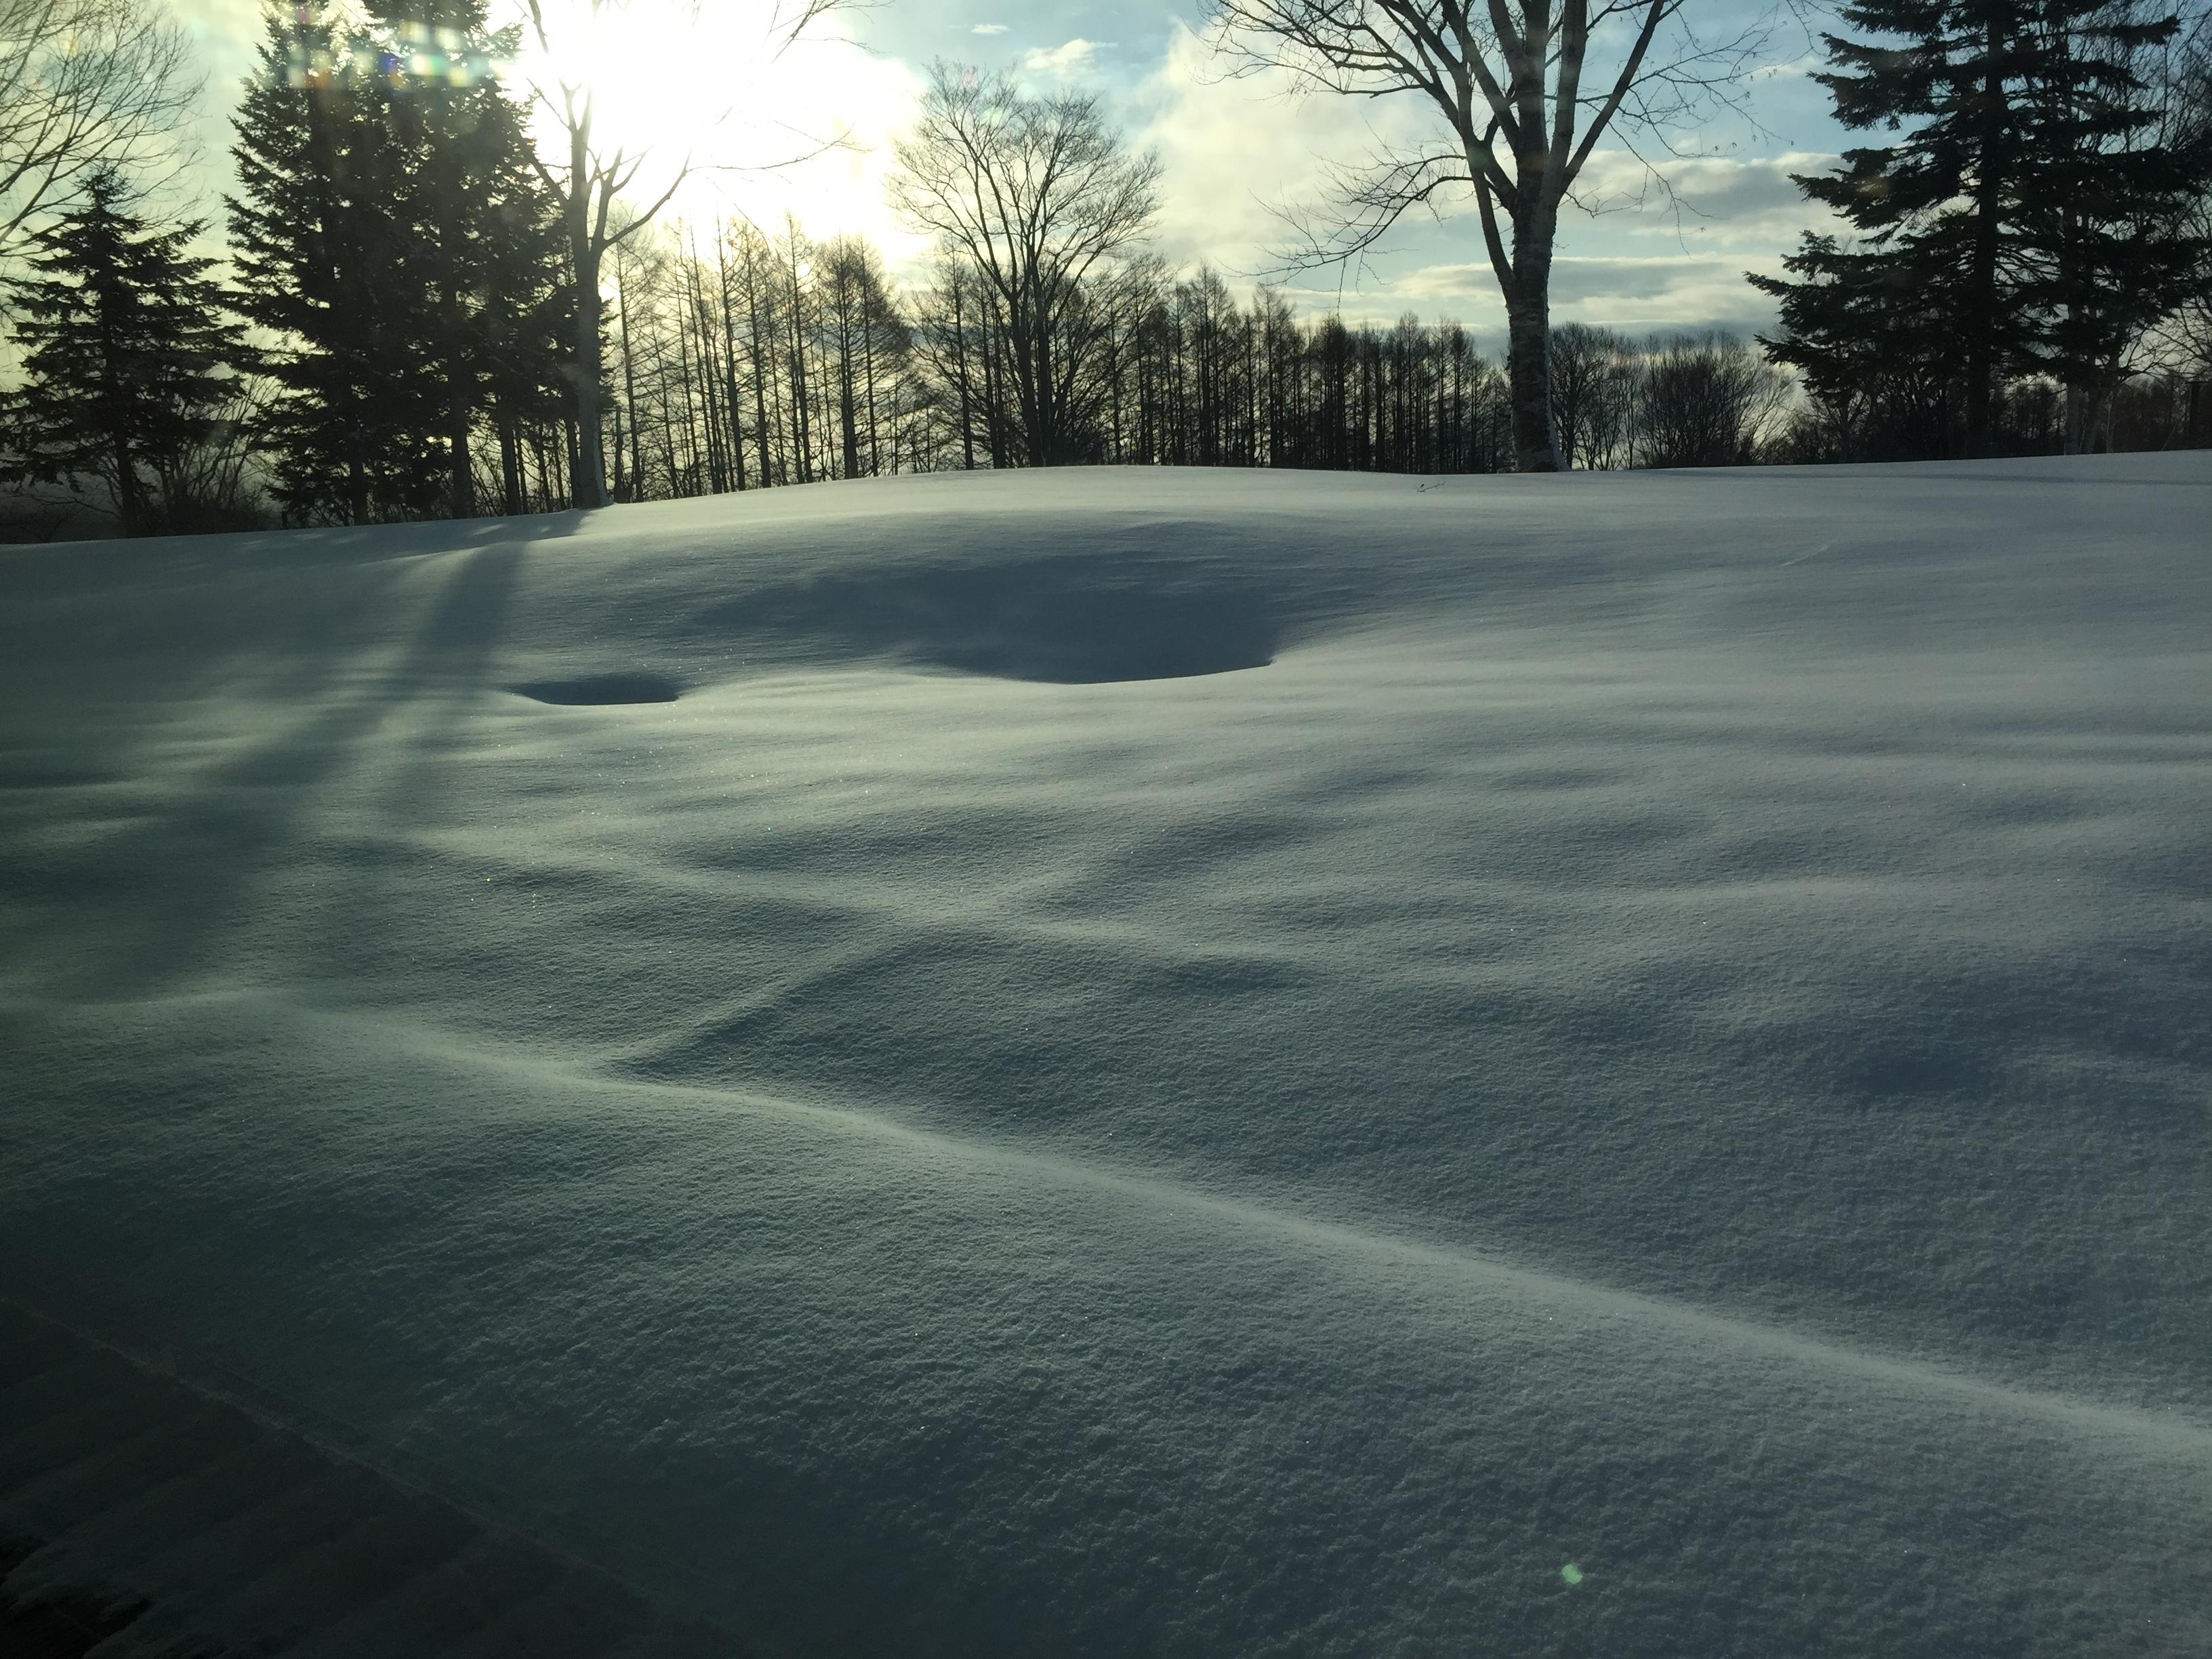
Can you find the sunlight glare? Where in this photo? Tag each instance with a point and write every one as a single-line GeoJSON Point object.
{"type": "Point", "coordinates": [673, 82]}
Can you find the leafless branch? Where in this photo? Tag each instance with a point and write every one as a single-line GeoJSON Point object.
{"type": "Point", "coordinates": [84, 84]}
{"type": "Point", "coordinates": [1037, 196]}
{"type": "Point", "coordinates": [590, 178]}
{"type": "Point", "coordinates": [1525, 91]}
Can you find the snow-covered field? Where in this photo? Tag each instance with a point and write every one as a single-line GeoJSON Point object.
{"type": "Point", "coordinates": [1124, 1062]}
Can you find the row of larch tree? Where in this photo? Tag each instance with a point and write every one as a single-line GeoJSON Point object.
{"type": "Point", "coordinates": [420, 316]}
{"type": "Point", "coordinates": [741, 360]}
{"type": "Point", "coordinates": [745, 362]}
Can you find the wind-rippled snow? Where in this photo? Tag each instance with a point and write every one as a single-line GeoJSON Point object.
{"type": "Point", "coordinates": [1135, 1062]}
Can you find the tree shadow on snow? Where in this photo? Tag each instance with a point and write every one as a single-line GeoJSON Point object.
{"type": "Point", "coordinates": [193, 870]}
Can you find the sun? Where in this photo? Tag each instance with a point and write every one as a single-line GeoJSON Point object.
{"type": "Point", "coordinates": [805, 129]}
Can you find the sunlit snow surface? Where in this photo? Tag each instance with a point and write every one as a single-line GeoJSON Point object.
{"type": "Point", "coordinates": [1129, 1062]}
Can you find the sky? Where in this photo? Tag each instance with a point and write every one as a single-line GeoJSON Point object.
{"type": "Point", "coordinates": [1660, 250]}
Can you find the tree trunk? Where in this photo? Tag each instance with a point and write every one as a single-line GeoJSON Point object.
{"type": "Point", "coordinates": [868, 387]}
{"type": "Point", "coordinates": [730, 392]}
{"type": "Point", "coordinates": [460, 476]}
{"type": "Point", "coordinates": [994, 416]}
{"type": "Point", "coordinates": [1981, 337]}
{"type": "Point", "coordinates": [848, 428]}
{"type": "Point", "coordinates": [1528, 350]}
{"type": "Point", "coordinates": [460, 389]}
{"type": "Point", "coordinates": [763, 432]}
{"type": "Point", "coordinates": [691, 483]}
{"type": "Point", "coordinates": [129, 515]}
{"type": "Point", "coordinates": [960, 359]}
{"type": "Point", "coordinates": [720, 420]}
{"type": "Point", "coordinates": [630, 396]}
{"type": "Point", "coordinates": [588, 482]}
{"type": "Point", "coordinates": [667, 427]}
{"type": "Point", "coordinates": [589, 488]}
{"type": "Point", "coordinates": [802, 436]}
{"type": "Point", "coordinates": [763, 356]}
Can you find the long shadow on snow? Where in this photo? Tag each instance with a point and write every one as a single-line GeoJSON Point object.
{"type": "Point", "coordinates": [190, 874]}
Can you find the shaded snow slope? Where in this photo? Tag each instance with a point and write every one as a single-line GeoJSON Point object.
{"type": "Point", "coordinates": [1161, 1062]}
{"type": "Point", "coordinates": [165, 1519]}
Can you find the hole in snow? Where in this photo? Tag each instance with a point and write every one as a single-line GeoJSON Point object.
{"type": "Point", "coordinates": [1066, 620]}
{"type": "Point", "coordinates": [593, 690]}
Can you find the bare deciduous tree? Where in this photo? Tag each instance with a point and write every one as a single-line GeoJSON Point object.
{"type": "Point", "coordinates": [864, 333]}
{"type": "Point", "coordinates": [590, 180]}
{"type": "Point", "coordinates": [1039, 199]}
{"type": "Point", "coordinates": [1706, 400]}
{"type": "Point", "coordinates": [1592, 393]}
{"type": "Point", "coordinates": [1525, 90]}
{"type": "Point", "coordinates": [2184, 338]}
{"type": "Point", "coordinates": [85, 85]}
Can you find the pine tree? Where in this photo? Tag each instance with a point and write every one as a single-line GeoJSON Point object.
{"type": "Point", "coordinates": [522, 331]}
{"type": "Point", "coordinates": [475, 213]}
{"type": "Point", "coordinates": [2018, 184]}
{"type": "Point", "coordinates": [392, 231]}
{"type": "Point", "coordinates": [127, 348]}
{"type": "Point", "coordinates": [1878, 352]}
{"type": "Point", "coordinates": [2112, 247]}
{"type": "Point", "coordinates": [321, 247]}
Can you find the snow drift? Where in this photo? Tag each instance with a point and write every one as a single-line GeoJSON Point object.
{"type": "Point", "coordinates": [1122, 1062]}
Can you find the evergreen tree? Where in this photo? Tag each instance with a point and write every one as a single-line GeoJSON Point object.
{"type": "Point", "coordinates": [476, 213]}
{"type": "Point", "coordinates": [522, 331]}
{"type": "Point", "coordinates": [1882, 360]}
{"type": "Point", "coordinates": [391, 231]}
{"type": "Point", "coordinates": [127, 347]}
{"type": "Point", "coordinates": [2111, 242]}
{"type": "Point", "coordinates": [2008, 214]}
{"type": "Point", "coordinates": [323, 263]}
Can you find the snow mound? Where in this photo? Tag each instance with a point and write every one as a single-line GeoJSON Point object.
{"type": "Point", "coordinates": [1640, 1091]}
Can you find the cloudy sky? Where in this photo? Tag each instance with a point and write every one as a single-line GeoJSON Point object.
{"type": "Point", "coordinates": [684, 80]}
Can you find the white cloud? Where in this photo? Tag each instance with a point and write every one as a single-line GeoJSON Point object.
{"type": "Point", "coordinates": [988, 28]}
{"type": "Point", "coordinates": [1064, 60]}
{"type": "Point", "coordinates": [1235, 149]}
{"type": "Point", "coordinates": [1634, 293]}
{"type": "Point", "coordinates": [1662, 252]}
{"type": "Point", "coordinates": [1731, 202]}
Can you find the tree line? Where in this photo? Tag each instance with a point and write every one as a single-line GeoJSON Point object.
{"type": "Point", "coordinates": [744, 361]}
{"type": "Point", "coordinates": [422, 317]}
